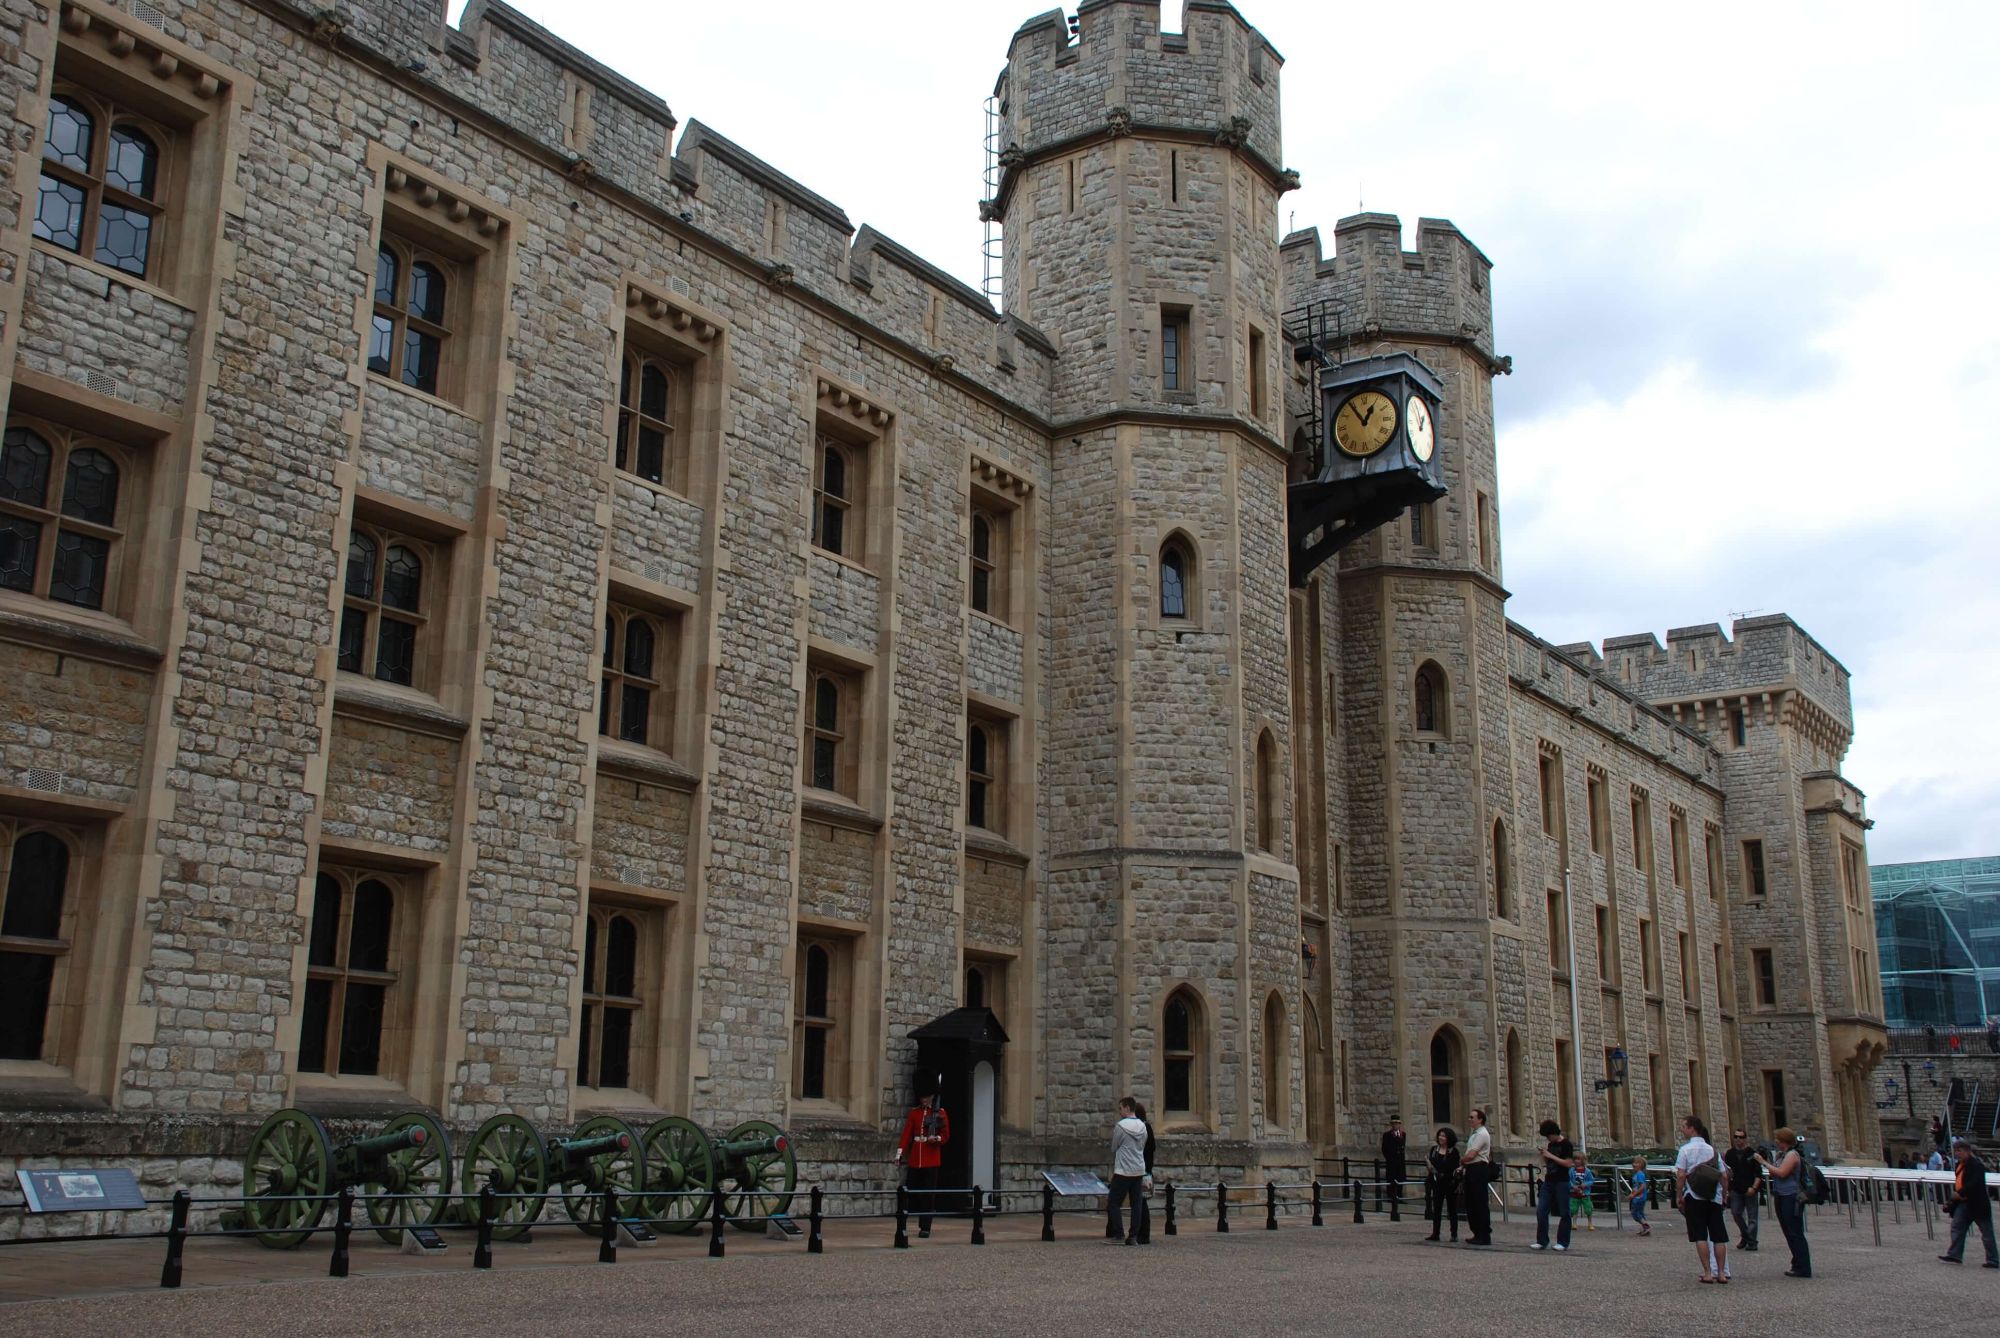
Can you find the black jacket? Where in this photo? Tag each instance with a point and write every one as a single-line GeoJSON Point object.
{"type": "Point", "coordinates": [1743, 1169]}
{"type": "Point", "coordinates": [1441, 1166]}
{"type": "Point", "coordinates": [1393, 1144]}
{"type": "Point", "coordinates": [1977, 1198]}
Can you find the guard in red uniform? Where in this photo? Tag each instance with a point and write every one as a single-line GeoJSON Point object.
{"type": "Point", "coordinates": [926, 1129]}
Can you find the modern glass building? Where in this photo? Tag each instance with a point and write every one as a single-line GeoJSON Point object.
{"type": "Point", "coordinates": [1938, 924]}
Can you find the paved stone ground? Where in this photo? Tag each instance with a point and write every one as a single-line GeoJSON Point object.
{"type": "Point", "coordinates": [1376, 1278]}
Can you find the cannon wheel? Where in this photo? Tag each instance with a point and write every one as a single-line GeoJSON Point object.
{"type": "Point", "coordinates": [762, 1184]}
{"type": "Point", "coordinates": [289, 1156]}
{"type": "Point", "coordinates": [509, 1154]}
{"type": "Point", "coordinates": [678, 1157]}
{"type": "Point", "coordinates": [624, 1169]}
{"type": "Point", "coordinates": [422, 1170]}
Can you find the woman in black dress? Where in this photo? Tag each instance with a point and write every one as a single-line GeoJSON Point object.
{"type": "Point", "coordinates": [1440, 1182]}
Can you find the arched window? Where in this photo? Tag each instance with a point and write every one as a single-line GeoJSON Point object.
{"type": "Point", "coordinates": [821, 1005]}
{"type": "Point", "coordinates": [101, 180]}
{"type": "Point", "coordinates": [827, 744]}
{"type": "Point", "coordinates": [412, 319]}
{"type": "Point", "coordinates": [1177, 591]}
{"type": "Point", "coordinates": [1517, 1085]}
{"type": "Point", "coordinates": [1447, 1076]}
{"type": "Point", "coordinates": [32, 938]}
{"type": "Point", "coordinates": [1264, 793]}
{"type": "Point", "coordinates": [975, 987]}
{"type": "Point", "coordinates": [1503, 888]}
{"type": "Point", "coordinates": [611, 1000]}
{"type": "Point", "coordinates": [832, 496]}
{"type": "Point", "coordinates": [987, 562]}
{"type": "Point", "coordinates": [648, 413]}
{"type": "Point", "coordinates": [981, 808]}
{"type": "Point", "coordinates": [1317, 1108]}
{"type": "Point", "coordinates": [59, 547]}
{"type": "Point", "coordinates": [384, 608]}
{"type": "Point", "coordinates": [1431, 705]}
{"type": "Point", "coordinates": [1181, 1060]}
{"type": "Point", "coordinates": [350, 969]}
{"type": "Point", "coordinates": [632, 679]}
{"type": "Point", "coordinates": [1277, 1067]}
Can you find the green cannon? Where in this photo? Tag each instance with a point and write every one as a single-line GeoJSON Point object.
{"type": "Point", "coordinates": [293, 1170]}
{"type": "Point", "coordinates": [753, 1165]}
{"type": "Point", "coordinates": [511, 1156]}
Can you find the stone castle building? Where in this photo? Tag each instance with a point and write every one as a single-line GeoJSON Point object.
{"type": "Point", "coordinates": [508, 602]}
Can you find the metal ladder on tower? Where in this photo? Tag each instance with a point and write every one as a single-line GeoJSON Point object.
{"type": "Point", "coordinates": [991, 246]}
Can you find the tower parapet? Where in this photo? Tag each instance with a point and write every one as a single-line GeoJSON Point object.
{"type": "Point", "coordinates": [1440, 292]}
{"type": "Point", "coordinates": [1761, 657]}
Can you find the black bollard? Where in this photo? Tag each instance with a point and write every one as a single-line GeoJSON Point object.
{"type": "Point", "coordinates": [902, 1217]}
{"type": "Point", "coordinates": [1048, 1212]}
{"type": "Point", "coordinates": [1318, 1218]}
{"type": "Point", "coordinates": [1221, 1206]}
{"type": "Point", "coordinates": [343, 1232]}
{"type": "Point", "coordinates": [1270, 1205]}
{"type": "Point", "coordinates": [1354, 1192]}
{"type": "Point", "coordinates": [978, 1215]}
{"type": "Point", "coordinates": [815, 1242]}
{"type": "Point", "coordinates": [177, 1233]}
{"type": "Point", "coordinates": [1172, 1228]}
{"type": "Point", "coordinates": [482, 1249]}
{"type": "Point", "coordinates": [1395, 1207]}
{"type": "Point", "coordinates": [715, 1247]}
{"type": "Point", "coordinates": [607, 1242]}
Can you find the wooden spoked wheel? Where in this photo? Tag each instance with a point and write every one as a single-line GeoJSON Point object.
{"type": "Point", "coordinates": [622, 1168]}
{"type": "Point", "coordinates": [286, 1177]}
{"type": "Point", "coordinates": [678, 1158]}
{"type": "Point", "coordinates": [508, 1154]}
{"type": "Point", "coordinates": [758, 1185]}
{"type": "Point", "coordinates": [423, 1170]}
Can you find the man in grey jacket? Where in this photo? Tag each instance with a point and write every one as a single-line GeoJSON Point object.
{"type": "Point", "coordinates": [1128, 1174]}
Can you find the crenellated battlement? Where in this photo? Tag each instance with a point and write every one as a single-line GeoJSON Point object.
{"type": "Point", "coordinates": [1701, 663]}
{"type": "Point", "coordinates": [1216, 79]}
{"type": "Point", "coordinates": [1440, 291]}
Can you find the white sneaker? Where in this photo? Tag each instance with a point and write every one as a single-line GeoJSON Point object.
{"type": "Point", "coordinates": [1562, 1247]}
{"type": "Point", "coordinates": [1538, 1246]}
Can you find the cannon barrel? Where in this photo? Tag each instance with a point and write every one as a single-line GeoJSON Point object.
{"type": "Point", "coordinates": [750, 1147]}
{"type": "Point", "coordinates": [578, 1148]}
{"type": "Point", "coordinates": [409, 1136]}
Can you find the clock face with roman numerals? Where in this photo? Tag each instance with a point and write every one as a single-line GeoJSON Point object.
{"type": "Point", "coordinates": [1422, 433]}
{"type": "Point", "coordinates": [1365, 423]}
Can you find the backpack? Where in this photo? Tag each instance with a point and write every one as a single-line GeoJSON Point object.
{"type": "Point", "coordinates": [1704, 1180]}
{"type": "Point", "coordinates": [1812, 1181]}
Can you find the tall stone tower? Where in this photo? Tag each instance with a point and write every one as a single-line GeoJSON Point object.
{"type": "Point", "coordinates": [1142, 174]}
{"type": "Point", "coordinates": [1432, 961]}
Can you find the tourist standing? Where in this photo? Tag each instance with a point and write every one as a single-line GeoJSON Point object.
{"type": "Point", "coordinates": [1744, 1174]}
{"type": "Point", "coordinates": [1554, 1196]}
{"type": "Point", "coordinates": [1641, 1190]}
{"type": "Point", "coordinates": [1970, 1205]}
{"type": "Point", "coordinates": [1394, 1162]}
{"type": "Point", "coordinates": [1441, 1182]}
{"type": "Point", "coordinates": [1128, 1174]}
{"type": "Point", "coordinates": [1475, 1172]}
{"type": "Point", "coordinates": [926, 1129]}
{"type": "Point", "coordinates": [1698, 1182]}
{"type": "Point", "coordinates": [1583, 1193]}
{"type": "Point", "coordinates": [1146, 1187]}
{"type": "Point", "coordinates": [1787, 1201]}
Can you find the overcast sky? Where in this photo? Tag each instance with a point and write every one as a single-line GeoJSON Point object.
{"type": "Point", "coordinates": [1747, 264]}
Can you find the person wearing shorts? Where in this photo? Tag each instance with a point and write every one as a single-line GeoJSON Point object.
{"type": "Point", "coordinates": [1708, 1230]}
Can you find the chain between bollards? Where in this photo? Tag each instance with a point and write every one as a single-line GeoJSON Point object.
{"type": "Point", "coordinates": [815, 1242]}
{"type": "Point", "coordinates": [715, 1247]}
{"type": "Point", "coordinates": [343, 1232]}
{"type": "Point", "coordinates": [1221, 1206]}
{"type": "Point", "coordinates": [978, 1215]}
{"type": "Point", "coordinates": [177, 1232]}
{"type": "Point", "coordinates": [482, 1249]}
{"type": "Point", "coordinates": [607, 1241]}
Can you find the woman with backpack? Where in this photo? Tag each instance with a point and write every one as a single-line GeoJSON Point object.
{"type": "Point", "coordinates": [1788, 1177]}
